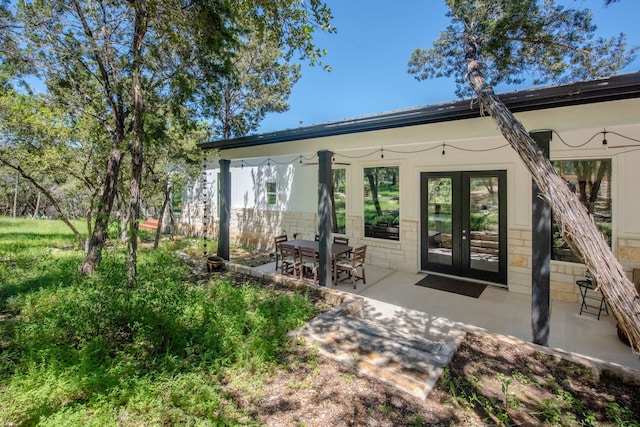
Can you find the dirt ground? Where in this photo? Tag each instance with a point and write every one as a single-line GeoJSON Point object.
{"type": "Point", "coordinates": [489, 381]}
{"type": "Point", "coordinates": [316, 391]}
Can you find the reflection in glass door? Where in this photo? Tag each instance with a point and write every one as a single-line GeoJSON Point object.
{"type": "Point", "coordinates": [464, 224]}
{"type": "Point", "coordinates": [439, 220]}
{"type": "Point", "coordinates": [484, 231]}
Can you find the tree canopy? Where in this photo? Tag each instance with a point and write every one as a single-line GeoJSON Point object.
{"type": "Point", "coordinates": [517, 41]}
{"type": "Point", "coordinates": [138, 69]}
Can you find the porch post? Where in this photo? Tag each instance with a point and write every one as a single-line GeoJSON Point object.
{"type": "Point", "coordinates": [541, 255]}
{"type": "Point", "coordinates": [225, 208]}
{"type": "Point", "coordinates": [325, 186]}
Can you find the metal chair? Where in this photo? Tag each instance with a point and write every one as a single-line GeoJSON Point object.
{"type": "Point", "coordinates": [288, 259]}
{"type": "Point", "coordinates": [317, 238]}
{"type": "Point", "coordinates": [351, 266]}
{"type": "Point", "coordinates": [308, 261]}
{"type": "Point", "coordinates": [276, 241]}
{"type": "Point", "coordinates": [591, 300]}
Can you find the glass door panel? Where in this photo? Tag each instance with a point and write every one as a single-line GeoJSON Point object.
{"type": "Point", "coordinates": [484, 223]}
{"type": "Point", "coordinates": [439, 220]}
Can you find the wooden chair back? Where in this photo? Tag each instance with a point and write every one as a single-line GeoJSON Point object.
{"type": "Point", "coordinates": [280, 239]}
{"type": "Point", "coordinates": [359, 255]}
{"type": "Point", "coordinates": [308, 256]}
{"type": "Point", "coordinates": [276, 241]}
{"type": "Point", "coordinates": [341, 240]}
{"type": "Point", "coordinates": [308, 262]}
{"type": "Point", "coordinates": [288, 259]}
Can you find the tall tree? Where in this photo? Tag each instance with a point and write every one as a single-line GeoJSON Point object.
{"type": "Point", "coordinates": [36, 145]}
{"type": "Point", "coordinates": [504, 41]}
{"type": "Point", "coordinates": [259, 83]}
{"type": "Point", "coordinates": [118, 61]}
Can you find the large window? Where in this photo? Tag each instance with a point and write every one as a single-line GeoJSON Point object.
{"type": "Point", "coordinates": [382, 202]}
{"type": "Point", "coordinates": [339, 202]}
{"type": "Point", "coordinates": [591, 181]}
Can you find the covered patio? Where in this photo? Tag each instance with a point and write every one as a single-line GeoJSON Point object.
{"type": "Point", "coordinates": [497, 310]}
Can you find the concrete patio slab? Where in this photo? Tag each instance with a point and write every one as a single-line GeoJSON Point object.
{"type": "Point", "coordinates": [497, 310]}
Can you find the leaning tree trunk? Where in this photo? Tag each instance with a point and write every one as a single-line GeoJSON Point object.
{"type": "Point", "coordinates": [578, 228]}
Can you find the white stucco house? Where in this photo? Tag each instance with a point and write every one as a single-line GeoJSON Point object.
{"type": "Point", "coordinates": [437, 188]}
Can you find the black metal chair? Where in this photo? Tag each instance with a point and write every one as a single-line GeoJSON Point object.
{"type": "Point", "coordinates": [591, 298]}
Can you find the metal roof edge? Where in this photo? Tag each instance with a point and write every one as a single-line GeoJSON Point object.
{"type": "Point", "coordinates": [623, 86]}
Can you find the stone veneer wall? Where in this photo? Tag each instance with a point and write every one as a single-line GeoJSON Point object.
{"type": "Point", "coordinates": [257, 227]}
{"type": "Point", "coordinates": [399, 255]}
{"type": "Point", "coordinates": [190, 223]}
{"type": "Point", "coordinates": [629, 254]}
{"type": "Point", "coordinates": [563, 274]}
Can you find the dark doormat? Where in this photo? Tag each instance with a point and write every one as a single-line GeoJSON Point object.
{"type": "Point", "coordinates": [449, 284]}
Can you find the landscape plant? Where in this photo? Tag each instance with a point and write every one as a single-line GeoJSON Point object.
{"type": "Point", "coordinates": [86, 350]}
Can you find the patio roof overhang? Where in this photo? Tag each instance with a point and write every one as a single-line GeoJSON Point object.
{"type": "Point", "coordinates": [624, 86]}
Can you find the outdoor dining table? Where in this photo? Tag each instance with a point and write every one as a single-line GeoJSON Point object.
{"type": "Point", "coordinates": [337, 249]}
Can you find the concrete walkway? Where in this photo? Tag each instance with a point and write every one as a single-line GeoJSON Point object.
{"type": "Point", "coordinates": [409, 351]}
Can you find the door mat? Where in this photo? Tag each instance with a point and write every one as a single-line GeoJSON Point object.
{"type": "Point", "coordinates": [449, 284]}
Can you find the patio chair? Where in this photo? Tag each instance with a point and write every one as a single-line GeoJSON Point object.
{"type": "Point", "coordinates": [276, 241]}
{"type": "Point", "coordinates": [308, 261]}
{"type": "Point", "coordinates": [340, 240]}
{"type": "Point", "coordinates": [351, 266]}
{"type": "Point", "coordinates": [317, 238]}
{"type": "Point", "coordinates": [288, 259]}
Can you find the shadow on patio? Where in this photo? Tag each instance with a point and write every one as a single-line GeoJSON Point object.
{"type": "Point", "coordinates": [393, 297]}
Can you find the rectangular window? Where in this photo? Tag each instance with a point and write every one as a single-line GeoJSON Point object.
{"type": "Point", "coordinates": [339, 202]}
{"type": "Point", "coordinates": [272, 196]}
{"type": "Point", "coordinates": [382, 202]}
{"type": "Point", "coordinates": [591, 181]}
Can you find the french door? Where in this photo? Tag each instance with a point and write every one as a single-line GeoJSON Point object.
{"type": "Point", "coordinates": [463, 224]}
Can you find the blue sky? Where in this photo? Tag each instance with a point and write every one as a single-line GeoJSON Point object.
{"type": "Point", "coordinates": [369, 56]}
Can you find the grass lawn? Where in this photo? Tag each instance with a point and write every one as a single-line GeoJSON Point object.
{"type": "Point", "coordinates": [180, 350]}
{"type": "Point", "coordinates": [88, 351]}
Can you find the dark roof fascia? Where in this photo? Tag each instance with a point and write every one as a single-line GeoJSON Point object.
{"type": "Point", "coordinates": [624, 86]}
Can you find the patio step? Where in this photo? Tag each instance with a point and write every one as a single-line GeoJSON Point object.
{"type": "Point", "coordinates": [409, 360]}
